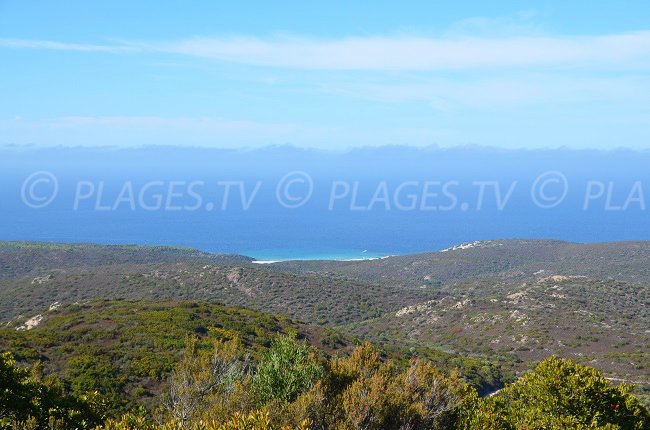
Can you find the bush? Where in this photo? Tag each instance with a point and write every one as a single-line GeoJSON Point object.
{"type": "Point", "coordinates": [29, 401]}
{"type": "Point", "coordinates": [559, 394]}
{"type": "Point", "coordinates": [254, 421]}
{"type": "Point", "coordinates": [375, 394]}
{"type": "Point", "coordinates": [203, 382]}
{"type": "Point", "coordinates": [288, 369]}
{"type": "Point", "coordinates": [291, 389]}
{"type": "Point", "coordinates": [364, 391]}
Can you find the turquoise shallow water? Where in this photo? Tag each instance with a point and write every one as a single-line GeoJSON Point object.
{"type": "Point", "coordinates": [311, 254]}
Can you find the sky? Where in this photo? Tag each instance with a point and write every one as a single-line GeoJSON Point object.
{"type": "Point", "coordinates": [332, 75]}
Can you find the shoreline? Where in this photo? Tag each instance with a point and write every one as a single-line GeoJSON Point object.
{"type": "Point", "coordinates": [320, 259]}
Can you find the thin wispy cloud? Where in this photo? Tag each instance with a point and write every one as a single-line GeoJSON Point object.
{"type": "Point", "coordinates": [63, 46]}
{"type": "Point", "coordinates": [501, 82]}
{"type": "Point", "coordinates": [423, 54]}
{"type": "Point", "coordinates": [393, 53]}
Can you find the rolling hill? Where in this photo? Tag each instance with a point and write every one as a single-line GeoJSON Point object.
{"type": "Point", "coordinates": [127, 349]}
{"type": "Point", "coordinates": [514, 258]}
{"type": "Point", "coordinates": [505, 304]}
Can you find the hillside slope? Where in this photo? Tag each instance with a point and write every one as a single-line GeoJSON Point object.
{"type": "Point", "coordinates": [315, 299]}
{"type": "Point", "coordinates": [517, 301]}
{"type": "Point", "coordinates": [23, 258]}
{"type": "Point", "coordinates": [508, 303]}
{"type": "Point", "coordinates": [602, 323]}
{"type": "Point", "coordinates": [127, 349]}
{"type": "Point", "coordinates": [516, 258]}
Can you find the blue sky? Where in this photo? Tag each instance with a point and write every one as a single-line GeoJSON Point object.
{"type": "Point", "coordinates": [513, 74]}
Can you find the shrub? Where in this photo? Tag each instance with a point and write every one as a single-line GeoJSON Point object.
{"type": "Point", "coordinates": [200, 380]}
{"type": "Point", "coordinates": [288, 369]}
{"type": "Point", "coordinates": [559, 394]}
{"type": "Point", "coordinates": [29, 401]}
{"type": "Point", "coordinates": [364, 391]}
{"type": "Point", "coordinates": [254, 421]}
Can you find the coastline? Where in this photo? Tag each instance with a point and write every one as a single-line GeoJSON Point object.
{"type": "Point", "coordinates": [279, 257]}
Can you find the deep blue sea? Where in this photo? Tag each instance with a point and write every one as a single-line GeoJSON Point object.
{"type": "Point", "coordinates": [284, 203]}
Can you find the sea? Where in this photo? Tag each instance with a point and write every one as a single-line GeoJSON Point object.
{"type": "Point", "coordinates": [284, 203]}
